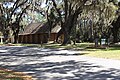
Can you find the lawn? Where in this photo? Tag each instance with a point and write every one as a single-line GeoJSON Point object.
{"type": "Point", "coordinates": [108, 53]}
{"type": "Point", "coordinates": [86, 49]}
{"type": "Point", "coordinates": [11, 75]}
{"type": "Point", "coordinates": [111, 52]}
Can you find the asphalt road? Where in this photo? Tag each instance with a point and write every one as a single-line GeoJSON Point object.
{"type": "Point", "coordinates": [57, 64]}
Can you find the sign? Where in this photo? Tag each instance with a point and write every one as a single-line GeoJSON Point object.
{"type": "Point", "coordinates": [103, 41]}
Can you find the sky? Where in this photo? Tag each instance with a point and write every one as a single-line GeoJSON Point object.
{"type": "Point", "coordinates": [43, 5]}
{"type": "Point", "coordinates": [9, 5]}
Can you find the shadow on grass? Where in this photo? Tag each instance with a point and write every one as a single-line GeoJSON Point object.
{"type": "Point", "coordinates": [6, 74]}
{"type": "Point", "coordinates": [102, 48]}
{"type": "Point", "coordinates": [78, 46]}
{"type": "Point", "coordinates": [115, 47]}
{"type": "Point", "coordinates": [69, 70]}
{"type": "Point", "coordinates": [38, 63]}
{"type": "Point", "coordinates": [54, 45]}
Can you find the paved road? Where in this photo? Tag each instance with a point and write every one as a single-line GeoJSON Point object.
{"type": "Point", "coordinates": [56, 64]}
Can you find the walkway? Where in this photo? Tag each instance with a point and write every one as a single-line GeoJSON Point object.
{"type": "Point", "coordinates": [56, 64]}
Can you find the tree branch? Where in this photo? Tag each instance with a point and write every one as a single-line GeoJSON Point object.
{"type": "Point", "coordinates": [17, 6]}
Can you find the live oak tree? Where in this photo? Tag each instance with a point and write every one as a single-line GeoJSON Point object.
{"type": "Point", "coordinates": [102, 13]}
{"type": "Point", "coordinates": [67, 14]}
{"type": "Point", "coordinates": [25, 6]}
{"type": "Point", "coordinates": [12, 13]}
{"type": "Point", "coordinates": [3, 21]}
{"type": "Point", "coordinates": [12, 17]}
{"type": "Point", "coordinates": [116, 26]}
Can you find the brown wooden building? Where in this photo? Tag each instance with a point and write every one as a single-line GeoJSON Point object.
{"type": "Point", "coordinates": [36, 33]}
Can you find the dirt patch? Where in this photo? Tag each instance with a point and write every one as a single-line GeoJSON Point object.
{"type": "Point", "coordinates": [13, 75]}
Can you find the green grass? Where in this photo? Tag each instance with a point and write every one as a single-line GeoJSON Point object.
{"type": "Point", "coordinates": [87, 48]}
{"type": "Point", "coordinates": [52, 45]}
{"type": "Point", "coordinates": [109, 53]}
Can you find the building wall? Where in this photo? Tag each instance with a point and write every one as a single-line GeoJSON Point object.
{"type": "Point", "coordinates": [38, 38]}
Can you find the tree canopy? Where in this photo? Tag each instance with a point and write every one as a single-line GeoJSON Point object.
{"type": "Point", "coordinates": [97, 15]}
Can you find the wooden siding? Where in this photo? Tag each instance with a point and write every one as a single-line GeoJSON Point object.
{"type": "Point", "coordinates": [38, 38]}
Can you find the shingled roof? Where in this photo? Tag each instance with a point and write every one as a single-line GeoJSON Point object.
{"type": "Point", "coordinates": [36, 28]}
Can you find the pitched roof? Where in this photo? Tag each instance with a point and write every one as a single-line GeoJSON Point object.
{"type": "Point", "coordinates": [36, 28]}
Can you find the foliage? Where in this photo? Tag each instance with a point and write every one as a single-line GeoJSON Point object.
{"type": "Point", "coordinates": [100, 12]}
{"type": "Point", "coordinates": [97, 18]}
{"type": "Point", "coordinates": [78, 18]}
{"type": "Point", "coordinates": [67, 13]}
{"type": "Point", "coordinates": [11, 13]}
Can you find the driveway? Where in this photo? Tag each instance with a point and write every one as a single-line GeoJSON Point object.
{"type": "Point", "coordinates": [58, 64]}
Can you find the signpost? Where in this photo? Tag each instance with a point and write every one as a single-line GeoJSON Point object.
{"type": "Point", "coordinates": [1, 38]}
